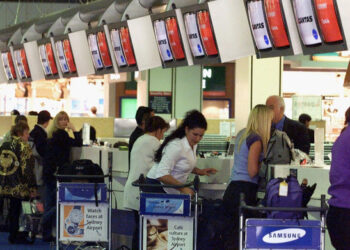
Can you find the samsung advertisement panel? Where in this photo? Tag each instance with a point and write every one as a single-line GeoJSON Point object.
{"type": "Point", "coordinates": [8, 65]}
{"type": "Point", "coordinates": [127, 46]}
{"type": "Point", "coordinates": [44, 61]}
{"type": "Point", "coordinates": [51, 58]}
{"type": "Point", "coordinates": [162, 40]}
{"type": "Point", "coordinates": [206, 33]}
{"type": "Point", "coordinates": [193, 34]}
{"type": "Point", "coordinates": [328, 21]}
{"type": "Point", "coordinates": [62, 57]}
{"type": "Point", "coordinates": [174, 38]}
{"type": "Point", "coordinates": [103, 47]}
{"type": "Point", "coordinates": [69, 56]}
{"type": "Point", "coordinates": [96, 58]}
{"type": "Point", "coordinates": [117, 48]}
{"type": "Point", "coordinates": [276, 23]}
{"type": "Point", "coordinates": [306, 22]}
{"type": "Point", "coordinates": [258, 25]}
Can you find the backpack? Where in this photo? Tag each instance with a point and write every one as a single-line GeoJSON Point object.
{"type": "Point", "coordinates": [81, 167]}
{"type": "Point", "coordinates": [293, 199]}
{"type": "Point", "coordinates": [279, 151]}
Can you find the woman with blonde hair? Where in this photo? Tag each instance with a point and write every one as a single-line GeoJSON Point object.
{"type": "Point", "coordinates": [58, 153]}
{"type": "Point", "coordinates": [250, 149]}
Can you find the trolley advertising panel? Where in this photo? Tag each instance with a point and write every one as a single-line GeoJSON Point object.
{"type": "Point", "coordinates": [200, 34]}
{"type": "Point", "coordinates": [122, 47]}
{"type": "Point", "coordinates": [169, 40]}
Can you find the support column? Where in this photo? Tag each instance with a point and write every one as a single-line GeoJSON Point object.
{"type": "Point", "coordinates": [109, 98]}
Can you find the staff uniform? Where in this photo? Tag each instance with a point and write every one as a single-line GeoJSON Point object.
{"type": "Point", "coordinates": [178, 160]}
{"type": "Point", "coordinates": [241, 182]}
{"type": "Point", "coordinates": [338, 217]}
{"type": "Point", "coordinates": [142, 156]}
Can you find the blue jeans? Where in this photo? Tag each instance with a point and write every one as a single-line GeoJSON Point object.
{"type": "Point", "coordinates": [49, 216]}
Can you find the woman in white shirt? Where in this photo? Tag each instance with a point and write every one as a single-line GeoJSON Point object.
{"type": "Point", "coordinates": [176, 157]}
{"type": "Point", "coordinates": [142, 158]}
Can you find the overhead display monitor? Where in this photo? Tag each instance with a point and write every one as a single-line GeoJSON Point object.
{"type": "Point", "coordinates": [174, 38]}
{"type": "Point", "coordinates": [117, 48]}
{"type": "Point", "coordinates": [276, 23]}
{"type": "Point", "coordinates": [193, 34]}
{"type": "Point", "coordinates": [62, 57]}
{"type": "Point", "coordinates": [8, 65]}
{"type": "Point", "coordinates": [307, 26]}
{"type": "Point", "coordinates": [258, 25]}
{"type": "Point", "coordinates": [96, 58]}
{"type": "Point", "coordinates": [44, 61]}
{"type": "Point", "coordinates": [328, 21]}
{"type": "Point", "coordinates": [206, 33]}
{"type": "Point", "coordinates": [127, 46]}
{"type": "Point", "coordinates": [162, 40]}
{"type": "Point", "coordinates": [103, 47]}
{"type": "Point", "coordinates": [51, 58]}
{"type": "Point", "coordinates": [69, 56]}
{"type": "Point", "coordinates": [25, 62]}
{"type": "Point", "coordinates": [21, 63]}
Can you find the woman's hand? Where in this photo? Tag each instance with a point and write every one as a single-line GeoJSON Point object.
{"type": "Point", "coordinates": [71, 126]}
{"type": "Point", "coordinates": [206, 171]}
{"type": "Point", "coordinates": [187, 190]}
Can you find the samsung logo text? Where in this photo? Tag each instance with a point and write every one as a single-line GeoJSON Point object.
{"type": "Point", "coordinates": [284, 235]}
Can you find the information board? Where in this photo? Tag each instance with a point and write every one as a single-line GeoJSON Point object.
{"type": "Point", "coordinates": [160, 102]}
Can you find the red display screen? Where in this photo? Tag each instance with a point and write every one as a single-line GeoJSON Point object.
{"type": "Point", "coordinates": [327, 20]}
{"type": "Point", "coordinates": [276, 23]}
{"type": "Point", "coordinates": [11, 65]}
{"type": "Point", "coordinates": [51, 58]}
{"type": "Point", "coordinates": [25, 63]}
{"type": "Point", "coordinates": [127, 47]}
{"type": "Point", "coordinates": [69, 56]}
{"type": "Point", "coordinates": [103, 47]}
{"type": "Point", "coordinates": [174, 38]}
{"type": "Point", "coordinates": [206, 33]}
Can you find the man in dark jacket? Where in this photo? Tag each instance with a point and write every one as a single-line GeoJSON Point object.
{"type": "Point", "coordinates": [296, 131]}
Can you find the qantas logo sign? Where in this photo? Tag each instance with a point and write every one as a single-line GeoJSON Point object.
{"type": "Point", "coordinates": [258, 26]}
{"type": "Point", "coordinates": [284, 235]}
{"type": "Point", "coordinates": [306, 19]}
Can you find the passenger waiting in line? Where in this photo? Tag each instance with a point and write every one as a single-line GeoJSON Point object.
{"type": "Point", "coordinates": [176, 158]}
{"type": "Point", "coordinates": [57, 154]}
{"type": "Point", "coordinates": [296, 131]}
{"type": "Point", "coordinates": [142, 114]}
{"type": "Point", "coordinates": [15, 112]}
{"type": "Point", "coordinates": [338, 217]}
{"type": "Point", "coordinates": [17, 181]}
{"type": "Point", "coordinates": [306, 119]}
{"type": "Point", "coordinates": [249, 152]}
{"type": "Point", "coordinates": [142, 159]}
{"type": "Point", "coordinates": [19, 118]}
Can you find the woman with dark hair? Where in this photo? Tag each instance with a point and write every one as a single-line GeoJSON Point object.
{"type": "Point", "coordinates": [176, 157]}
{"type": "Point", "coordinates": [17, 180]}
{"type": "Point", "coordinates": [142, 159]}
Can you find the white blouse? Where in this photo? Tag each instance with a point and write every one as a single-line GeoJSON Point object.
{"type": "Point", "coordinates": [178, 160]}
{"type": "Point", "coordinates": [141, 161]}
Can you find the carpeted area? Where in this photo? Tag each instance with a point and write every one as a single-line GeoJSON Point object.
{"type": "Point", "coordinates": [38, 244]}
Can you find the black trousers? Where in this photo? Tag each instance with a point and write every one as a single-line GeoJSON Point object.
{"type": "Point", "coordinates": [231, 205]}
{"type": "Point", "coordinates": [14, 213]}
{"type": "Point", "coordinates": [338, 223]}
{"type": "Point", "coordinates": [135, 236]}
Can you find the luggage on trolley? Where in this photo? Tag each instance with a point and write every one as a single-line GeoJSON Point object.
{"type": "Point", "coordinates": [83, 208]}
{"type": "Point", "coordinates": [168, 221]}
{"type": "Point", "coordinates": [282, 233]}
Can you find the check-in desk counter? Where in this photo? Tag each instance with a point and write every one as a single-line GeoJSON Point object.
{"type": "Point", "coordinates": [214, 186]}
{"type": "Point", "coordinates": [105, 157]}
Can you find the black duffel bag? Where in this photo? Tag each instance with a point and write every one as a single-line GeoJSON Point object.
{"type": "Point", "coordinates": [80, 167]}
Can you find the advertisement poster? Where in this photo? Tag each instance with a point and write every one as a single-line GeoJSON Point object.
{"type": "Point", "coordinates": [83, 222]}
{"type": "Point", "coordinates": [167, 233]}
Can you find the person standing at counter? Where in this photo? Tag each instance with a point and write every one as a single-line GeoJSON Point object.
{"type": "Point", "coordinates": [248, 155]}
{"type": "Point", "coordinates": [338, 217]}
{"type": "Point", "coordinates": [57, 154]}
{"type": "Point", "coordinates": [142, 159]}
{"type": "Point", "coordinates": [176, 157]}
{"type": "Point", "coordinates": [142, 114]}
{"type": "Point", "coordinates": [296, 131]}
{"type": "Point", "coordinates": [306, 119]}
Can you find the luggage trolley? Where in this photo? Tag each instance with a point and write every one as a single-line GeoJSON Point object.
{"type": "Point", "coordinates": [282, 233]}
{"type": "Point", "coordinates": [166, 220]}
{"type": "Point", "coordinates": [83, 212]}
